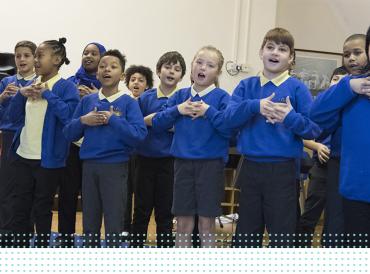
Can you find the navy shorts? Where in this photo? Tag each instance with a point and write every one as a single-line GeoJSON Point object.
{"type": "Point", "coordinates": [198, 187]}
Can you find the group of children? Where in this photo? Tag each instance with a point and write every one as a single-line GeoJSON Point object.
{"type": "Point", "coordinates": [168, 146]}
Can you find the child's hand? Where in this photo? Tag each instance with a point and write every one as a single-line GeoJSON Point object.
{"type": "Point", "coordinates": [281, 110]}
{"type": "Point", "coordinates": [199, 109]}
{"type": "Point", "coordinates": [27, 91]}
{"type": "Point", "coordinates": [186, 108]}
{"type": "Point", "coordinates": [38, 90]}
{"type": "Point", "coordinates": [266, 108]}
{"type": "Point", "coordinates": [93, 118]}
{"type": "Point", "coordinates": [85, 90]}
{"type": "Point", "coordinates": [361, 86]}
{"type": "Point", "coordinates": [8, 92]}
{"type": "Point", "coordinates": [323, 153]}
{"type": "Point", "coordinates": [107, 114]}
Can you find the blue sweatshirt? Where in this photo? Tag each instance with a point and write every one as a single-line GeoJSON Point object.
{"type": "Point", "coordinates": [340, 105]}
{"type": "Point", "coordinates": [5, 123]}
{"type": "Point", "coordinates": [62, 101]}
{"type": "Point", "coordinates": [265, 142]}
{"type": "Point", "coordinates": [199, 138]}
{"type": "Point", "coordinates": [111, 143]}
{"type": "Point", "coordinates": [157, 143]}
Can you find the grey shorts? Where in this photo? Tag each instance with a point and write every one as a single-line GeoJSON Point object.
{"type": "Point", "coordinates": [198, 187]}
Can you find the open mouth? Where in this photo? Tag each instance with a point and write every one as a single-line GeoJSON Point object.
{"type": "Point", "coordinates": [275, 61]}
{"type": "Point", "coordinates": [201, 76]}
{"type": "Point", "coordinates": [170, 78]}
{"type": "Point", "coordinates": [106, 76]}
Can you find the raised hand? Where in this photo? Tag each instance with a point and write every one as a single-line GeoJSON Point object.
{"type": "Point", "coordinates": [85, 90]}
{"type": "Point", "coordinates": [186, 108]}
{"type": "Point", "coordinates": [8, 92]}
{"type": "Point", "coordinates": [93, 118]}
{"type": "Point", "coordinates": [107, 114]}
{"type": "Point", "coordinates": [280, 110]}
{"type": "Point", "coordinates": [266, 108]}
{"type": "Point", "coordinates": [199, 109]}
{"type": "Point", "coordinates": [361, 86]}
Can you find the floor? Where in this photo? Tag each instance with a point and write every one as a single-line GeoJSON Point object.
{"type": "Point", "coordinates": [223, 233]}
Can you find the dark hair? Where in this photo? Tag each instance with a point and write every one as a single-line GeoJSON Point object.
{"type": "Point", "coordinates": [171, 57]}
{"type": "Point", "coordinates": [26, 44]}
{"type": "Point", "coordinates": [367, 43]}
{"type": "Point", "coordinates": [116, 53]}
{"type": "Point", "coordinates": [145, 71]}
{"type": "Point", "coordinates": [59, 49]}
{"type": "Point", "coordinates": [339, 71]}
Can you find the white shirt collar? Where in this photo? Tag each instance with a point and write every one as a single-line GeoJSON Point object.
{"type": "Point", "coordinates": [111, 98]}
{"type": "Point", "coordinates": [28, 78]}
{"type": "Point", "coordinates": [203, 92]}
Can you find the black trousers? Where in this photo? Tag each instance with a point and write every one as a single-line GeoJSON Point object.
{"type": "Point", "coordinates": [153, 190]}
{"type": "Point", "coordinates": [35, 188]}
{"type": "Point", "coordinates": [333, 233]}
{"type": "Point", "coordinates": [69, 189]}
{"type": "Point", "coordinates": [268, 198]}
{"type": "Point", "coordinates": [6, 189]}
{"type": "Point", "coordinates": [314, 204]}
{"type": "Point", "coordinates": [356, 223]}
{"type": "Point", "coordinates": [130, 193]}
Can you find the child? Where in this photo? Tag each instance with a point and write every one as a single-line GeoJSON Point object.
{"type": "Point", "coordinates": [45, 107]}
{"type": "Point", "coordinates": [154, 173]}
{"type": "Point", "coordinates": [316, 193]}
{"type": "Point", "coordinates": [87, 83]}
{"type": "Point", "coordinates": [85, 77]}
{"type": "Point", "coordinates": [137, 79]}
{"type": "Point", "coordinates": [199, 146]}
{"type": "Point", "coordinates": [343, 108]}
{"type": "Point", "coordinates": [24, 59]}
{"type": "Point", "coordinates": [271, 112]}
{"type": "Point", "coordinates": [111, 124]}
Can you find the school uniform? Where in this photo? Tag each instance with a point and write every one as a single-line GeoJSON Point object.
{"type": "Point", "coordinates": [200, 148]}
{"type": "Point", "coordinates": [269, 190]}
{"type": "Point", "coordinates": [70, 186]}
{"type": "Point", "coordinates": [8, 129]}
{"type": "Point", "coordinates": [105, 152]}
{"type": "Point", "coordinates": [339, 105]}
{"type": "Point", "coordinates": [41, 151]}
{"type": "Point", "coordinates": [316, 198]}
{"type": "Point", "coordinates": [153, 176]}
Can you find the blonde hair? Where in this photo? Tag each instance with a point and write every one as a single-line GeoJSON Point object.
{"type": "Point", "coordinates": [220, 57]}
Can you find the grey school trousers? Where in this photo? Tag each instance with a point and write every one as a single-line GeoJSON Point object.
{"type": "Point", "coordinates": [104, 192]}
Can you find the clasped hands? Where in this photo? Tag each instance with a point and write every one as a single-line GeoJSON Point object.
{"type": "Point", "coordinates": [274, 112]}
{"type": "Point", "coordinates": [34, 91]}
{"type": "Point", "coordinates": [97, 118]}
{"type": "Point", "coordinates": [193, 109]}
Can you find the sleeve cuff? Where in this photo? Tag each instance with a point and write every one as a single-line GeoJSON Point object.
{"type": "Point", "coordinates": [47, 94]}
{"type": "Point", "coordinates": [174, 111]}
{"type": "Point", "coordinates": [289, 119]}
{"type": "Point", "coordinates": [255, 106]}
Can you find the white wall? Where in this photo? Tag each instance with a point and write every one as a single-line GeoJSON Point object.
{"type": "Point", "coordinates": [143, 29]}
{"type": "Point", "coordinates": [323, 24]}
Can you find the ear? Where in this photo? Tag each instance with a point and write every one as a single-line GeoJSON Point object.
{"type": "Point", "coordinates": [122, 76]}
{"type": "Point", "coordinates": [57, 60]}
{"type": "Point", "coordinates": [261, 53]}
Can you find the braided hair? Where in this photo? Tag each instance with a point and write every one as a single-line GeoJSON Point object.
{"type": "Point", "coordinates": [58, 48]}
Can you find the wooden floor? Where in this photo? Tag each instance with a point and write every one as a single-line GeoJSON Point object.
{"type": "Point", "coordinates": [223, 234]}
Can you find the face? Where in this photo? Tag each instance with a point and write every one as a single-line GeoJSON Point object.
{"type": "Point", "coordinates": [336, 78]}
{"type": "Point", "coordinates": [354, 56]}
{"type": "Point", "coordinates": [24, 61]}
{"type": "Point", "coordinates": [46, 62]}
{"type": "Point", "coordinates": [137, 84]}
{"type": "Point", "coordinates": [109, 72]}
{"type": "Point", "coordinates": [170, 74]}
{"type": "Point", "coordinates": [205, 69]}
{"type": "Point", "coordinates": [90, 58]}
{"type": "Point", "coordinates": [276, 59]}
